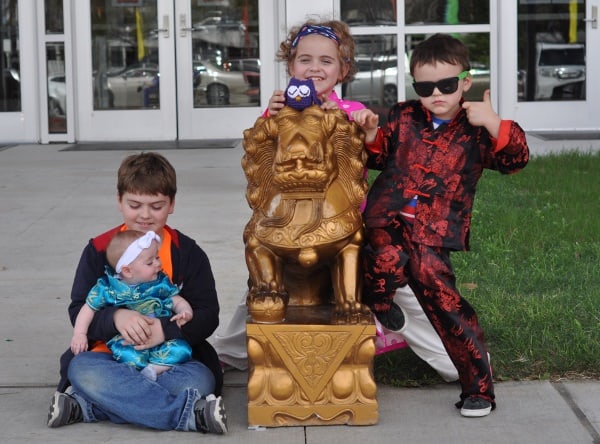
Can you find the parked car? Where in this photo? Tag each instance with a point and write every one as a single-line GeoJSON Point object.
{"type": "Point", "coordinates": [242, 65]}
{"type": "Point", "coordinates": [57, 95]}
{"type": "Point", "coordinates": [560, 71]}
{"type": "Point", "coordinates": [250, 67]}
{"type": "Point", "coordinates": [126, 88]}
{"type": "Point", "coordinates": [376, 82]}
{"type": "Point", "coordinates": [217, 87]}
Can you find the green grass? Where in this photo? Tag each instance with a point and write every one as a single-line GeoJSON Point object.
{"type": "Point", "coordinates": [532, 275]}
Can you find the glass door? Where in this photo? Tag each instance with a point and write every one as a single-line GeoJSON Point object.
{"type": "Point", "coordinates": [218, 67]}
{"type": "Point", "coordinates": [164, 70]}
{"type": "Point", "coordinates": [18, 103]}
{"type": "Point", "coordinates": [557, 61]}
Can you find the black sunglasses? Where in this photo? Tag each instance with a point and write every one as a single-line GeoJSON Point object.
{"type": "Point", "coordinates": [446, 86]}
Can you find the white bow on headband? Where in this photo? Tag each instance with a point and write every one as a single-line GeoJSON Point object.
{"type": "Point", "coordinates": [135, 248]}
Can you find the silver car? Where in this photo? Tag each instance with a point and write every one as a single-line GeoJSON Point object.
{"type": "Point", "coordinates": [216, 87]}
{"type": "Point", "coordinates": [126, 88]}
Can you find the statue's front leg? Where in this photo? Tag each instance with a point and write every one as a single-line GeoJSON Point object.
{"type": "Point", "coordinates": [267, 299]}
{"type": "Point", "coordinates": [347, 285]}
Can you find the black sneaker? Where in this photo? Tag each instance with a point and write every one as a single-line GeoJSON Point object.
{"type": "Point", "coordinates": [393, 319]}
{"type": "Point", "coordinates": [64, 410]}
{"type": "Point", "coordinates": [474, 407]}
{"type": "Point", "coordinates": [210, 415]}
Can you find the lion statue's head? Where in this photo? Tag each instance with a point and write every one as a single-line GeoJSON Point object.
{"type": "Point", "coordinates": [303, 152]}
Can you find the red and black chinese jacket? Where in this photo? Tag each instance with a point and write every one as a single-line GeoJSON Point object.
{"type": "Point", "coordinates": [441, 167]}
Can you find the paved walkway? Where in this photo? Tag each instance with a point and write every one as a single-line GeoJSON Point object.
{"type": "Point", "coordinates": [52, 201]}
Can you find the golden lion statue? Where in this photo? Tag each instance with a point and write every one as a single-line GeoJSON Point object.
{"type": "Point", "coordinates": [305, 172]}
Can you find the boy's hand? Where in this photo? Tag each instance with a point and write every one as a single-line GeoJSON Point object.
{"type": "Point", "coordinates": [368, 121]}
{"type": "Point", "coordinates": [157, 335]}
{"type": "Point", "coordinates": [79, 343]}
{"type": "Point", "coordinates": [482, 114]}
{"type": "Point", "coordinates": [276, 102]}
{"type": "Point", "coordinates": [182, 318]}
{"type": "Point", "coordinates": [135, 328]}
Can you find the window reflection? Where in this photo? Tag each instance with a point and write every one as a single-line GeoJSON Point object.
{"type": "Point", "coordinates": [10, 82]}
{"type": "Point", "coordinates": [226, 57]}
{"type": "Point", "coordinates": [371, 13]}
{"type": "Point", "coordinates": [448, 12]}
{"type": "Point", "coordinates": [54, 16]}
{"type": "Point", "coordinates": [57, 92]}
{"type": "Point", "coordinates": [551, 52]}
{"type": "Point", "coordinates": [417, 12]}
{"type": "Point", "coordinates": [376, 82]}
{"type": "Point", "coordinates": [125, 55]}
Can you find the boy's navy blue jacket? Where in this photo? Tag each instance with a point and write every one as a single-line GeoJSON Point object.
{"type": "Point", "coordinates": [192, 273]}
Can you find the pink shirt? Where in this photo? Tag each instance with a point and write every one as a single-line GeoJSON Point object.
{"type": "Point", "coordinates": [346, 105]}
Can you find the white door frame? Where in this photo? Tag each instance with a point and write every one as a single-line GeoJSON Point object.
{"type": "Point", "coordinates": [545, 116]}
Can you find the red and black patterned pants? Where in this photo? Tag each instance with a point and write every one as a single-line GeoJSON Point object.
{"type": "Point", "coordinates": [391, 260]}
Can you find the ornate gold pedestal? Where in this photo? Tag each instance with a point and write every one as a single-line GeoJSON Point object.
{"type": "Point", "coordinates": [308, 371]}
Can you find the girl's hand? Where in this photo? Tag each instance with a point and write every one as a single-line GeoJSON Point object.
{"type": "Point", "coordinates": [329, 104]}
{"type": "Point", "coordinates": [368, 121]}
{"type": "Point", "coordinates": [276, 102]}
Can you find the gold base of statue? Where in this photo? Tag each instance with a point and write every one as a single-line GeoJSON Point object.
{"type": "Point", "coordinates": [308, 371]}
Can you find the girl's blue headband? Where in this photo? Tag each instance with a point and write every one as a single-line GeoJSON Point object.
{"type": "Point", "coordinates": [325, 31]}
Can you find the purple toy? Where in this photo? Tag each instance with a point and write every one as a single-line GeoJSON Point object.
{"type": "Point", "coordinates": [301, 94]}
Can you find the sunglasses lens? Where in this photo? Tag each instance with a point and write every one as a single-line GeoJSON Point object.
{"type": "Point", "coordinates": [448, 86]}
{"type": "Point", "coordinates": [424, 89]}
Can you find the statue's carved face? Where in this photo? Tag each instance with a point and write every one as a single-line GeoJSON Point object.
{"type": "Point", "coordinates": [304, 157]}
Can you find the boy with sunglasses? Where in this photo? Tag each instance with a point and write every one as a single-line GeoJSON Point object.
{"type": "Point", "coordinates": [431, 154]}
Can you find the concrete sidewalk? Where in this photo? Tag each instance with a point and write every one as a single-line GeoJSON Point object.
{"type": "Point", "coordinates": [53, 201]}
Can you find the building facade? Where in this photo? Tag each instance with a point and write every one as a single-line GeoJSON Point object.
{"type": "Point", "coordinates": [125, 70]}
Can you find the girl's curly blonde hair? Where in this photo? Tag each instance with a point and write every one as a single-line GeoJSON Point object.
{"type": "Point", "coordinates": [287, 52]}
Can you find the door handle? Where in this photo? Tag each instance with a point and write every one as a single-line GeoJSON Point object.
{"type": "Point", "coordinates": [165, 27]}
{"type": "Point", "coordinates": [594, 19]}
{"type": "Point", "coordinates": [183, 28]}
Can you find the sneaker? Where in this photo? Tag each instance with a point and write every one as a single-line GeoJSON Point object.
{"type": "Point", "coordinates": [64, 410]}
{"type": "Point", "coordinates": [393, 319]}
{"type": "Point", "coordinates": [474, 407]}
{"type": "Point", "coordinates": [210, 415]}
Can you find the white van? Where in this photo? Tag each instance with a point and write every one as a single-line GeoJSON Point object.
{"type": "Point", "coordinates": [560, 71]}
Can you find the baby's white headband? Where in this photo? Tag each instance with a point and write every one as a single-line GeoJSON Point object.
{"type": "Point", "coordinates": [135, 248]}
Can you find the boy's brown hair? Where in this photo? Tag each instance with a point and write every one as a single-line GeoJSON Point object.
{"type": "Point", "coordinates": [119, 243]}
{"type": "Point", "coordinates": [287, 53]}
{"type": "Point", "coordinates": [147, 173]}
{"type": "Point", "coordinates": [440, 48]}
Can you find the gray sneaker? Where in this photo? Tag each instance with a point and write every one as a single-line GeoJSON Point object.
{"type": "Point", "coordinates": [210, 415]}
{"type": "Point", "coordinates": [64, 410]}
{"type": "Point", "coordinates": [474, 407]}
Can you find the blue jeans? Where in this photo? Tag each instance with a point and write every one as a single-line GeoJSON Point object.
{"type": "Point", "coordinates": [108, 390]}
